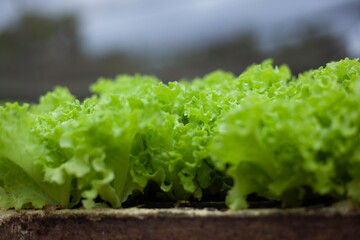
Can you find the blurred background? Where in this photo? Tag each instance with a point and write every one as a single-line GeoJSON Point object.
{"type": "Point", "coordinates": [44, 43]}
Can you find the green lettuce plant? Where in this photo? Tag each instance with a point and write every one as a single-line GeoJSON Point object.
{"type": "Point", "coordinates": [270, 133]}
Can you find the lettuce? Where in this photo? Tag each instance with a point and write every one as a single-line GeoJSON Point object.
{"type": "Point", "coordinates": [21, 155]}
{"type": "Point", "coordinates": [171, 148]}
{"type": "Point", "coordinates": [304, 137]}
{"type": "Point", "coordinates": [266, 131]}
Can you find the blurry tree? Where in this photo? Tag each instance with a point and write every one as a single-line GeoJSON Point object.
{"type": "Point", "coordinates": [312, 51]}
{"type": "Point", "coordinates": [230, 55]}
{"type": "Point", "coordinates": [38, 53]}
{"type": "Point", "coordinates": [36, 37]}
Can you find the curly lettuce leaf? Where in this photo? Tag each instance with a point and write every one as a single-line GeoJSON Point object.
{"type": "Point", "coordinates": [279, 147]}
{"type": "Point", "coordinates": [21, 152]}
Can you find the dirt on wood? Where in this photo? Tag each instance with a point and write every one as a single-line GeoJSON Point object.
{"type": "Point", "coordinates": [181, 223]}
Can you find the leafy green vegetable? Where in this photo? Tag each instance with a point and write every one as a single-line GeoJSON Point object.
{"type": "Point", "coordinates": [21, 170]}
{"type": "Point", "coordinates": [274, 135]}
{"type": "Point", "coordinates": [172, 146]}
{"type": "Point", "coordinates": [305, 136]}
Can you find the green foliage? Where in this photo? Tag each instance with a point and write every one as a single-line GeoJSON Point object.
{"type": "Point", "coordinates": [306, 136]}
{"type": "Point", "coordinates": [274, 135]}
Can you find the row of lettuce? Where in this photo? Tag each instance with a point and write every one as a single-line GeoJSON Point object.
{"type": "Point", "coordinates": [264, 132]}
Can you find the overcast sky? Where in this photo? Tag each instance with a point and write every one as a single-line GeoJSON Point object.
{"type": "Point", "coordinates": [163, 26]}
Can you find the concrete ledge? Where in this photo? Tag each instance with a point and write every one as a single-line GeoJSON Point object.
{"type": "Point", "coordinates": [182, 223]}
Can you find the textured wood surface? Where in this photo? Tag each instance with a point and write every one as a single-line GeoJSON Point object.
{"type": "Point", "coordinates": [180, 223]}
